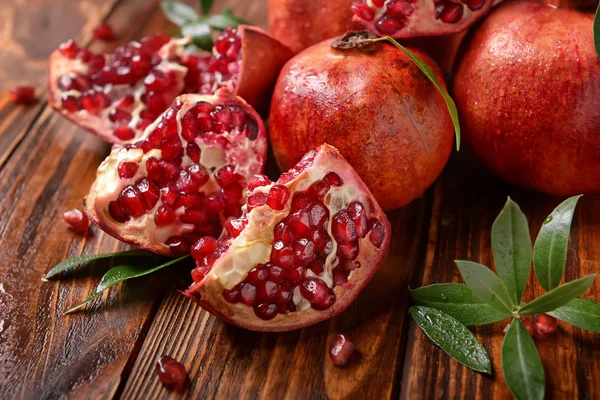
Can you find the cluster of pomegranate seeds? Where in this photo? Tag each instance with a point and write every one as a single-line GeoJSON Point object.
{"type": "Point", "coordinates": [171, 372]}
{"type": "Point", "coordinates": [541, 325]}
{"type": "Point", "coordinates": [341, 350]}
{"type": "Point", "coordinates": [104, 32]}
{"type": "Point", "coordinates": [23, 95]}
{"type": "Point", "coordinates": [76, 220]}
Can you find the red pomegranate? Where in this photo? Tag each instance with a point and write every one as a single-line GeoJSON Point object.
{"type": "Point", "coordinates": [393, 127]}
{"type": "Point", "coordinates": [183, 178]}
{"type": "Point", "coordinates": [302, 252]}
{"type": "Point", "coordinates": [414, 18]}
{"type": "Point", "coordinates": [528, 93]}
{"type": "Point", "coordinates": [76, 220]}
{"type": "Point", "coordinates": [116, 96]}
{"type": "Point", "coordinates": [299, 24]}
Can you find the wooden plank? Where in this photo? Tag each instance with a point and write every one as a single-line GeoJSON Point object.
{"type": "Point", "coordinates": [466, 202]}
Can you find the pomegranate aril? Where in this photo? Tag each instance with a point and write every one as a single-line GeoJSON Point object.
{"type": "Point", "coordinates": [342, 227]}
{"type": "Point", "coordinates": [189, 200]}
{"type": "Point", "coordinates": [152, 44]}
{"type": "Point", "coordinates": [76, 220]}
{"type": "Point", "coordinates": [171, 148]}
{"type": "Point", "coordinates": [69, 49]}
{"type": "Point", "coordinates": [449, 12]}
{"type": "Point", "coordinates": [232, 194]}
{"type": "Point", "coordinates": [193, 151]}
{"type": "Point", "coordinates": [235, 226]}
{"type": "Point", "coordinates": [333, 179]}
{"type": "Point", "coordinates": [300, 201]}
{"type": "Point", "coordinates": [319, 189]}
{"type": "Point", "coordinates": [149, 191]}
{"type": "Point", "coordinates": [187, 183]}
{"type": "Point", "coordinates": [232, 296]}
{"type": "Point", "coordinates": [199, 273]}
{"type": "Point", "coordinates": [171, 372]}
{"type": "Point", "coordinates": [23, 95]}
{"type": "Point", "coordinates": [189, 126]}
{"type": "Point", "coordinates": [214, 203]}
{"type": "Point", "coordinates": [545, 325]}
{"type": "Point", "coordinates": [341, 350]}
{"type": "Point", "coordinates": [169, 195]}
{"type": "Point", "coordinates": [283, 233]}
{"type": "Point", "coordinates": [256, 200]}
{"type": "Point", "coordinates": [295, 275]}
{"type": "Point", "coordinates": [258, 181]}
{"type": "Point", "coordinates": [124, 132]}
{"type": "Point", "coordinates": [71, 103]}
{"type": "Point", "coordinates": [194, 217]}
{"type": "Point", "coordinates": [116, 114]}
{"type": "Point", "coordinates": [127, 170]}
{"type": "Point", "coordinates": [317, 293]}
{"type": "Point", "coordinates": [116, 212]}
{"type": "Point", "coordinates": [299, 223]}
{"type": "Point", "coordinates": [378, 3]}
{"type": "Point", "coordinates": [316, 267]}
{"type": "Point", "coordinates": [257, 275]}
{"type": "Point", "coordinates": [247, 294]}
{"type": "Point", "coordinates": [164, 216]}
{"type": "Point", "coordinates": [266, 311]}
{"type": "Point", "coordinates": [399, 10]}
{"type": "Point", "coordinates": [388, 26]}
{"type": "Point", "coordinates": [155, 103]}
{"type": "Point", "coordinates": [278, 197]}
{"type": "Point", "coordinates": [377, 232]}
{"type": "Point", "coordinates": [131, 202]}
{"type": "Point", "coordinates": [357, 214]}
{"type": "Point", "coordinates": [178, 245]}
{"type": "Point", "coordinates": [204, 246]}
{"type": "Point", "coordinates": [156, 81]}
{"type": "Point", "coordinates": [474, 5]}
{"type": "Point", "coordinates": [226, 176]}
{"type": "Point", "coordinates": [104, 32]}
{"type": "Point", "coordinates": [304, 252]}
{"type": "Point", "coordinates": [275, 273]}
{"type": "Point", "coordinates": [169, 172]}
{"type": "Point", "coordinates": [363, 11]}
{"type": "Point", "coordinates": [347, 251]}
{"type": "Point", "coordinates": [319, 214]}
{"type": "Point", "coordinates": [282, 256]}
{"type": "Point", "coordinates": [283, 295]}
{"type": "Point", "coordinates": [267, 291]}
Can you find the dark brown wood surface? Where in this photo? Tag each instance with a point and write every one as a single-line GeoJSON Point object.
{"type": "Point", "coordinates": [46, 167]}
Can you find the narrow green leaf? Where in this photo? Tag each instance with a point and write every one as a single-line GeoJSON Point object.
{"type": "Point", "coordinates": [550, 250]}
{"type": "Point", "coordinates": [511, 246]}
{"type": "Point", "coordinates": [452, 337]}
{"type": "Point", "coordinates": [582, 313]}
{"type": "Point", "coordinates": [119, 274]}
{"type": "Point", "coordinates": [486, 285]}
{"type": "Point", "coordinates": [179, 13]}
{"type": "Point", "coordinates": [200, 33]}
{"type": "Point", "coordinates": [458, 301]}
{"type": "Point", "coordinates": [205, 6]}
{"type": "Point", "coordinates": [71, 264]}
{"type": "Point", "coordinates": [521, 363]}
{"type": "Point", "coordinates": [597, 31]}
{"type": "Point", "coordinates": [224, 20]}
{"type": "Point", "coordinates": [429, 73]}
{"type": "Point", "coordinates": [558, 297]}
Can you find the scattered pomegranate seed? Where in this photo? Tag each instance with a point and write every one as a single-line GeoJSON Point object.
{"type": "Point", "coordinates": [171, 372]}
{"type": "Point", "coordinates": [104, 32]}
{"type": "Point", "coordinates": [545, 325]}
{"type": "Point", "coordinates": [341, 350]}
{"type": "Point", "coordinates": [76, 220]}
{"type": "Point", "coordinates": [23, 95]}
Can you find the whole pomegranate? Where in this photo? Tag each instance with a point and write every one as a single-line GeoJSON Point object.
{"type": "Point", "coordinates": [375, 105]}
{"type": "Point", "coordinates": [299, 24]}
{"type": "Point", "coordinates": [528, 93]}
{"type": "Point", "coordinates": [301, 253]}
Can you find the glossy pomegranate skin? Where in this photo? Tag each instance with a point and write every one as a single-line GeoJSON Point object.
{"type": "Point", "coordinates": [393, 128]}
{"type": "Point", "coordinates": [299, 24]}
{"type": "Point", "coordinates": [528, 93]}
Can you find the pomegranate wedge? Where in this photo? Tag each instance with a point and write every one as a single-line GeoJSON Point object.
{"type": "Point", "coordinates": [304, 249]}
{"type": "Point", "coordinates": [116, 96]}
{"type": "Point", "coordinates": [183, 177]}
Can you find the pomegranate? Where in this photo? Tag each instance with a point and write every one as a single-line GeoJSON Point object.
{"type": "Point", "coordinates": [306, 246]}
{"type": "Point", "coordinates": [545, 325]}
{"type": "Point", "coordinates": [104, 32]}
{"type": "Point", "coordinates": [393, 127]}
{"type": "Point", "coordinates": [528, 93]}
{"type": "Point", "coordinates": [171, 372]}
{"type": "Point", "coordinates": [341, 350]}
{"type": "Point", "coordinates": [299, 24]}
{"type": "Point", "coordinates": [413, 18]}
{"type": "Point", "coordinates": [183, 177]}
{"type": "Point", "coordinates": [116, 96]}
{"type": "Point", "coordinates": [22, 95]}
{"type": "Point", "coordinates": [76, 220]}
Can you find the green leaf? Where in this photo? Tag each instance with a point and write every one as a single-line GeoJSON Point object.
{"type": "Point", "coordinates": [70, 264]}
{"type": "Point", "coordinates": [597, 31]}
{"type": "Point", "coordinates": [452, 337]}
{"type": "Point", "coordinates": [119, 274]}
{"type": "Point", "coordinates": [458, 301]}
{"type": "Point", "coordinates": [486, 285]}
{"type": "Point", "coordinates": [429, 73]}
{"type": "Point", "coordinates": [550, 250]}
{"type": "Point", "coordinates": [179, 13]}
{"type": "Point", "coordinates": [521, 363]}
{"type": "Point", "coordinates": [200, 33]}
{"type": "Point", "coordinates": [511, 246]}
{"type": "Point", "coordinates": [224, 20]}
{"type": "Point", "coordinates": [205, 6]}
{"type": "Point", "coordinates": [582, 313]}
{"type": "Point", "coordinates": [558, 297]}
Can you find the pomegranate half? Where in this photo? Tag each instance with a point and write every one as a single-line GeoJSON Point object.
{"type": "Point", "coordinates": [373, 104]}
{"type": "Point", "coordinates": [305, 248]}
{"type": "Point", "coordinates": [528, 94]}
{"type": "Point", "coordinates": [116, 96]}
{"type": "Point", "coordinates": [184, 177]}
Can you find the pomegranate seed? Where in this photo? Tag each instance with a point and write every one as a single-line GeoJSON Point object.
{"type": "Point", "coordinates": [319, 189]}
{"type": "Point", "coordinates": [199, 273]}
{"type": "Point", "coordinates": [378, 3]}
{"type": "Point", "coordinates": [65, 83]}
{"type": "Point", "coordinates": [127, 169]}
{"type": "Point", "coordinates": [190, 200]}
{"type": "Point", "coordinates": [168, 195]}
{"type": "Point", "coordinates": [116, 212]}
{"type": "Point", "coordinates": [256, 200]}
{"type": "Point", "coordinates": [169, 172]}
{"type": "Point", "coordinates": [131, 202]}
{"type": "Point", "coordinates": [449, 12]}
{"type": "Point", "coordinates": [232, 296]}
{"type": "Point", "coordinates": [316, 267]}
{"type": "Point", "coordinates": [267, 291]}
{"type": "Point", "coordinates": [282, 256]}
{"type": "Point", "coordinates": [258, 181]}
{"type": "Point", "coordinates": [275, 273]}
{"type": "Point", "coordinates": [357, 214]}
{"type": "Point", "coordinates": [388, 26]}
{"type": "Point", "coordinates": [284, 295]}
{"type": "Point", "coordinates": [545, 325]}
{"type": "Point", "coordinates": [347, 251]}
{"type": "Point", "coordinates": [149, 191]}
{"type": "Point", "coordinates": [124, 132]}
{"type": "Point", "coordinates": [343, 229]}
{"type": "Point", "coordinates": [304, 252]}
{"type": "Point", "coordinates": [247, 294]}
{"type": "Point", "coordinates": [171, 148]}
{"type": "Point", "coordinates": [171, 372]}
{"type": "Point", "coordinates": [377, 232]}
{"type": "Point", "coordinates": [76, 220]}
{"type": "Point", "coordinates": [300, 201]}
{"type": "Point", "coordinates": [204, 246]}
{"type": "Point", "coordinates": [199, 173]}
{"type": "Point", "coordinates": [116, 114]}
{"type": "Point", "coordinates": [94, 102]}
{"type": "Point", "coordinates": [341, 350]}
{"type": "Point", "coordinates": [399, 10]}
{"type": "Point", "coordinates": [193, 216]}
{"type": "Point", "coordinates": [156, 103]}
{"type": "Point", "coordinates": [193, 151]}
{"type": "Point", "coordinates": [278, 197]}
{"type": "Point", "coordinates": [23, 95]}
{"type": "Point", "coordinates": [164, 216]}
{"type": "Point", "coordinates": [70, 103]}
{"type": "Point", "coordinates": [226, 176]}
{"type": "Point", "coordinates": [283, 233]}
{"type": "Point", "coordinates": [178, 245]}
{"type": "Point", "coordinates": [340, 277]}
{"type": "Point", "coordinates": [69, 49]}
{"type": "Point", "coordinates": [333, 179]}
{"type": "Point", "coordinates": [319, 214]}
{"type": "Point", "coordinates": [125, 103]}
{"type": "Point", "coordinates": [232, 194]}
{"type": "Point", "coordinates": [474, 5]}
{"type": "Point", "coordinates": [235, 226]}
{"type": "Point", "coordinates": [266, 311]}
{"type": "Point", "coordinates": [187, 183]}
{"type": "Point", "coordinates": [215, 203]}
{"type": "Point", "coordinates": [299, 223]}
{"type": "Point", "coordinates": [152, 44]}
{"type": "Point", "coordinates": [317, 293]}
{"type": "Point", "coordinates": [104, 32]}
{"type": "Point", "coordinates": [156, 81]}
{"type": "Point", "coordinates": [363, 11]}
{"type": "Point", "coordinates": [296, 275]}
{"type": "Point", "coordinates": [257, 275]}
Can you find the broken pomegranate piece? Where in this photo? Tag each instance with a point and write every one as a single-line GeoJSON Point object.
{"type": "Point", "coordinates": [118, 95]}
{"type": "Point", "coordinates": [414, 18]}
{"type": "Point", "coordinates": [183, 178]}
{"type": "Point", "coordinates": [77, 220]}
{"type": "Point", "coordinates": [300, 254]}
{"type": "Point", "coordinates": [23, 95]}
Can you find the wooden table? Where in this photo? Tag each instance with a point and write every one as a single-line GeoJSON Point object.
{"type": "Point", "coordinates": [46, 167]}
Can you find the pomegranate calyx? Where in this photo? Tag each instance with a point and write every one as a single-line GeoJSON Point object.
{"type": "Point", "coordinates": [354, 40]}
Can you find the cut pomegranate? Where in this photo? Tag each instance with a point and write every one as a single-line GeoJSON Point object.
{"type": "Point", "coordinates": [156, 194]}
{"type": "Point", "coordinates": [286, 267]}
{"type": "Point", "coordinates": [171, 373]}
{"type": "Point", "coordinates": [341, 350]}
{"type": "Point", "coordinates": [23, 95]}
{"type": "Point", "coordinates": [414, 18]}
{"type": "Point", "coordinates": [118, 95]}
{"type": "Point", "coordinates": [104, 32]}
{"type": "Point", "coordinates": [76, 220]}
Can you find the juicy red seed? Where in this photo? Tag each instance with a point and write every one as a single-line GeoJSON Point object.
{"type": "Point", "coordinates": [275, 273]}
{"type": "Point", "coordinates": [347, 251]}
{"type": "Point", "coordinates": [349, 265]}
{"type": "Point", "coordinates": [164, 216]}
{"type": "Point", "coordinates": [124, 132]}
{"type": "Point", "coordinates": [187, 183]}
{"type": "Point", "coordinates": [94, 102]}
{"type": "Point", "coordinates": [190, 200]}
{"type": "Point", "coordinates": [104, 32]}
{"type": "Point", "coordinates": [199, 273]}
{"type": "Point", "coordinates": [341, 350]}
{"type": "Point", "coordinates": [319, 189]}
{"type": "Point", "coordinates": [171, 148]}
{"type": "Point", "coordinates": [193, 151]}
{"type": "Point", "coordinates": [300, 201]}
{"type": "Point", "coordinates": [378, 3]}
{"type": "Point", "coordinates": [178, 245]}
{"type": "Point", "coordinates": [342, 227]}
{"type": "Point", "coordinates": [283, 295]}
{"type": "Point", "coordinates": [363, 11]}
{"type": "Point", "coordinates": [198, 172]}
{"type": "Point", "coordinates": [545, 324]}
{"type": "Point", "coordinates": [388, 26]}
{"type": "Point", "coordinates": [71, 103]}
{"type": "Point", "coordinates": [257, 181]}
{"type": "Point", "coordinates": [69, 49]}
{"type": "Point", "coordinates": [299, 223]}
{"type": "Point", "coordinates": [156, 81]}
{"type": "Point", "coordinates": [23, 95]}
{"type": "Point", "coordinates": [232, 194]}
{"type": "Point", "coordinates": [131, 202]}
{"type": "Point", "coordinates": [215, 203]}
{"type": "Point", "coordinates": [189, 126]}
{"type": "Point", "coordinates": [156, 103]}
{"type": "Point", "coordinates": [127, 169]}
{"type": "Point", "coordinates": [194, 217]}
{"type": "Point", "coordinates": [76, 220]}
{"type": "Point", "coordinates": [65, 83]}
{"type": "Point", "coordinates": [232, 296]}
{"type": "Point", "coordinates": [153, 168]}
{"type": "Point", "coordinates": [357, 214]}
{"type": "Point", "coordinates": [295, 275]}
{"type": "Point", "coordinates": [119, 115]}
{"type": "Point", "coordinates": [399, 10]}
{"type": "Point", "coordinates": [283, 233]}
{"type": "Point", "coordinates": [474, 5]}
{"type": "Point", "coordinates": [449, 12]}
{"type": "Point", "coordinates": [154, 43]}
{"type": "Point", "coordinates": [286, 308]}
{"type": "Point", "coordinates": [278, 197]}
{"type": "Point", "coordinates": [149, 191]}
{"type": "Point", "coordinates": [316, 267]}
{"type": "Point", "coordinates": [377, 232]}
{"type": "Point", "coordinates": [282, 256]}
{"type": "Point", "coordinates": [256, 200]}
{"type": "Point", "coordinates": [257, 275]}
{"type": "Point", "coordinates": [265, 311]}
{"type": "Point", "coordinates": [304, 252]}
{"type": "Point", "coordinates": [168, 171]}
{"type": "Point", "coordinates": [317, 293]}
{"type": "Point", "coordinates": [168, 195]}
{"type": "Point", "coordinates": [125, 103]}
{"type": "Point", "coordinates": [318, 214]}
{"type": "Point", "coordinates": [247, 294]}
{"type": "Point", "coordinates": [204, 246]}
{"type": "Point", "coordinates": [226, 176]}
{"type": "Point", "coordinates": [235, 226]}
{"type": "Point", "coordinates": [333, 179]}
{"type": "Point", "coordinates": [340, 277]}
{"type": "Point", "coordinates": [267, 291]}
{"type": "Point", "coordinates": [116, 212]}
{"type": "Point", "coordinates": [171, 372]}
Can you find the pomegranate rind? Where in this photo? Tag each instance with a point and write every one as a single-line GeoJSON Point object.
{"type": "Point", "coordinates": [232, 266]}
{"type": "Point", "coordinates": [251, 162]}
